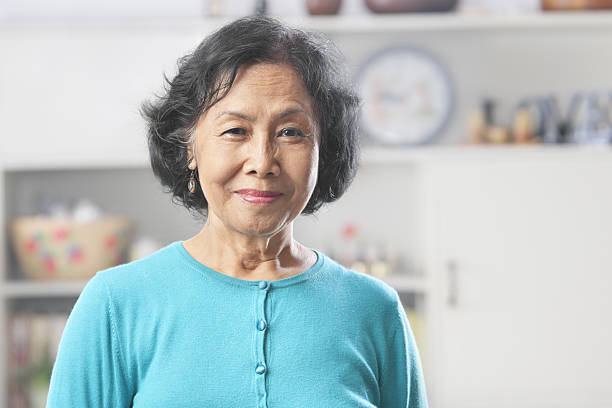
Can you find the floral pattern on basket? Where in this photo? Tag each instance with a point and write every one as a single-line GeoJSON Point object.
{"type": "Point", "coordinates": [59, 252]}
{"type": "Point", "coordinates": [38, 245]}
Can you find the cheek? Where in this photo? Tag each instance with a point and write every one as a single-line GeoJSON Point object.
{"type": "Point", "coordinates": [214, 177]}
{"type": "Point", "coordinates": [309, 170]}
{"type": "Point", "coordinates": [314, 172]}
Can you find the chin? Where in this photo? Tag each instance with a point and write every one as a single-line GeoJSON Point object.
{"type": "Point", "coordinates": [262, 227]}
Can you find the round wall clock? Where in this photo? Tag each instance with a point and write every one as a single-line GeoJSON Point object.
{"type": "Point", "coordinates": [407, 96]}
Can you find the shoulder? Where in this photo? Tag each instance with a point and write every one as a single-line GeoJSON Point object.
{"type": "Point", "coordinates": [140, 270]}
{"type": "Point", "coordinates": [135, 281]}
{"type": "Point", "coordinates": [361, 282]}
{"type": "Point", "coordinates": [365, 289]}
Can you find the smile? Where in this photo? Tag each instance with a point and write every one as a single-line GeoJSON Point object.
{"type": "Point", "coordinates": [258, 196]}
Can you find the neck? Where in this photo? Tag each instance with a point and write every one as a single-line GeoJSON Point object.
{"type": "Point", "coordinates": [249, 256]}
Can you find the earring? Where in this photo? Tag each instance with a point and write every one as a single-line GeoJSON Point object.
{"type": "Point", "coordinates": [192, 183]}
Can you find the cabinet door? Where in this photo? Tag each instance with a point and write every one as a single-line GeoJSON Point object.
{"type": "Point", "coordinates": [523, 270]}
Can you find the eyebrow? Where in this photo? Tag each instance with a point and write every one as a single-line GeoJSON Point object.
{"type": "Point", "coordinates": [281, 115]}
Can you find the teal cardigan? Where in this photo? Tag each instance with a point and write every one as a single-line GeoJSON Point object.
{"type": "Point", "coordinates": [167, 331]}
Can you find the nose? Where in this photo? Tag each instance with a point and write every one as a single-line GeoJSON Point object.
{"type": "Point", "coordinates": [262, 157]}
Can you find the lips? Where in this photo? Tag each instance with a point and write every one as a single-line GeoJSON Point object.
{"type": "Point", "coordinates": [258, 193]}
{"type": "Point", "coordinates": [258, 196]}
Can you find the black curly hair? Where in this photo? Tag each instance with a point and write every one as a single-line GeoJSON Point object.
{"type": "Point", "coordinates": [207, 74]}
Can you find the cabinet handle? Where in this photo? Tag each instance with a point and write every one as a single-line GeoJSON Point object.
{"type": "Point", "coordinates": [453, 283]}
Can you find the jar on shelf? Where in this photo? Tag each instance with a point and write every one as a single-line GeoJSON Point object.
{"type": "Point", "coordinates": [410, 6]}
{"type": "Point", "coordinates": [323, 7]}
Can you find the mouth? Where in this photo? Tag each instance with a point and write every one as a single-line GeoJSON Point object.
{"type": "Point", "coordinates": [258, 196]}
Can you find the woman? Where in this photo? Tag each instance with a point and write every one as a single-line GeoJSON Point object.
{"type": "Point", "coordinates": [258, 126]}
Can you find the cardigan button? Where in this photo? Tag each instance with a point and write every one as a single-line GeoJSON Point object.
{"type": "Point", "coordinates": [263, 284]}
{"type": "Point", "coordinates": [261, 325]}
{"type": "Point", "coordinates": [260, 369]}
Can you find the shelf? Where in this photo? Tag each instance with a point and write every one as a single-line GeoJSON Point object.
{"type": "Point", "coordinates": [35, 289]}
{"type": "Point", "coordinates": [73, 162]}
{"type": "Point", "coordinates": [369, 155]}
{"type": "Point", "coordinates": [390, 155]}
{"type": "Point", "coordinates": [455, 21]}
{"type": "Point", "coordinates": [351, 24]}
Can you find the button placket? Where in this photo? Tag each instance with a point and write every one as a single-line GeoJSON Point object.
{"type": "Point", "coordinates": [261, 326]}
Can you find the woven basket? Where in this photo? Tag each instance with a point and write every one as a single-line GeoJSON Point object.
{"type": "Point", "coordinates": [52, 248]}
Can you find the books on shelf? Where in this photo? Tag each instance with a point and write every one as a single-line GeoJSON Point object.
{"type": "Point", "coordinates": [33, 339]}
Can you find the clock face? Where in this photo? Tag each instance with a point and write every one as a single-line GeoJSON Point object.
{"type": "Point", "coordinates": [407, 97]}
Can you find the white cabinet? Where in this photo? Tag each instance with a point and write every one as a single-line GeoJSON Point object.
{"type": "Point", "coordinates": [519, 250]}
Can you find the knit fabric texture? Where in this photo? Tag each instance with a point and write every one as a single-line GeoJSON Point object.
{"type": "Point", "coordinates": [168, 331]}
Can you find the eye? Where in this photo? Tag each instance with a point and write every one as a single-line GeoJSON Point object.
{"type": "Point", "coordinates": [236, 131]}
{"type": "Point", "coordinates": [291, 132]}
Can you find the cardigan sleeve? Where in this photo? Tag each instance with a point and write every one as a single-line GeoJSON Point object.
{"type": "Point", "coordinates": [89, 369]}
{"type": "Point", "coordinates": [402, 383]}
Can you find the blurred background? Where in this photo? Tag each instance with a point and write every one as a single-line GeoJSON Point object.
{"type": "Point", "coordinates": [483, 195]}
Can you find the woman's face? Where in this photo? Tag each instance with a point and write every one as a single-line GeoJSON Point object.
{"type": "Point", "coordinates": [260, 139]}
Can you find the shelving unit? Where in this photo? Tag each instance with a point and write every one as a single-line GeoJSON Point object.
{"type": "Point", "coordinates": [370, 23]}
{"type": "Point", "coordinates": [103, 157]}
{"type": "Point", "coordinates": [26, 289]}
{"type": "Point", "coordinates": [407, 284]}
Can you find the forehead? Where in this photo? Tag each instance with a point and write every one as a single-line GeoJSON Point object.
{"type": "Point", "coordinates": [255, 81]}
{"type": "Point", "coordinates": [267, 74]}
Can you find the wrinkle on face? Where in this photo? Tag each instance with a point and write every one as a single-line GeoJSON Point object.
{"type": "Point", "coordinates": [252, 139]}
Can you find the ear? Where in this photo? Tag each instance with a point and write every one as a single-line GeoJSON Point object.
{"type": "Point", "coordinates": [191, 162]}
